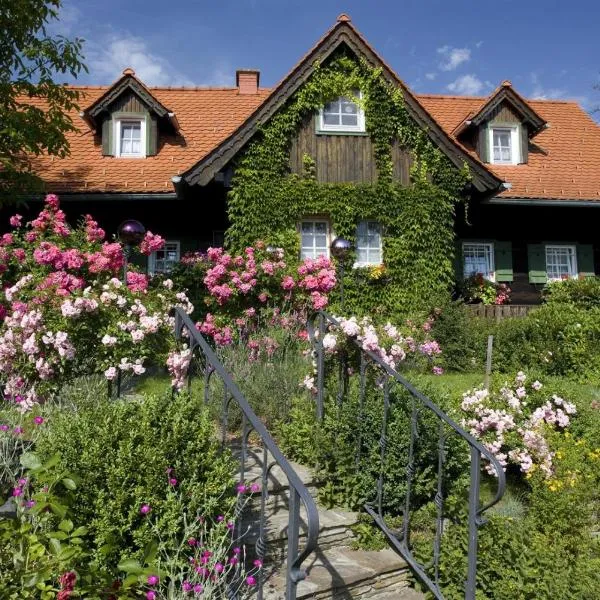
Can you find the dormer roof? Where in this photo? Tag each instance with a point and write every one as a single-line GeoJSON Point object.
{"type": "Point", "coordinates": [505, 93]}
{"type": "Point", "coordinates": [128, 82]}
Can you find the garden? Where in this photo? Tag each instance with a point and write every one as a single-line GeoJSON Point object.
{"type": "Point", "coordinates": [114, 483]}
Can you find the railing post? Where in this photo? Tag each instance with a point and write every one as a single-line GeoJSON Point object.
{"type": "Point", "coordinates": [292, 547]}
{"type": "Point", "coordinates": [320, 358]}
{"type": "Point", "coordinates": [473, 523]}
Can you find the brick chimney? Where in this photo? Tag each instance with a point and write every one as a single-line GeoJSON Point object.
{"type": "Point", "coordinates": [247, 80]}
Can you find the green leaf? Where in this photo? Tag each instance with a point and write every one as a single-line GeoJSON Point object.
{"type": "Point", "coordinates": [57, 535]}
{"type": "Point", "coordinates": [69, 483]}
{"type": "Point", "coordinates": [79, 532]}
{"type": "Point", "coordinates": [30, 461]}
{"type": "Point", "coordinates": [66, 525]}
{"type": "Point", "coordinates": [51, 462]}
{"type": "Point", "coordinates": [55, 546]}
{"type": "Point", "coordinates": [150, 552]}
{"type": "Point", "coordinates": [130, 566]}
{"type": "Point", "coordinates": [58, 509]}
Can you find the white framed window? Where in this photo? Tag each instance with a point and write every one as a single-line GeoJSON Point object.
{"type": "Point", "coordinates": [561, 262]}
{"type": "Point", "coordinates": [343, 114]}
{"type": "Point", "coordinates": [504, 145]}
{"type": "Point", "coordinates": [478, 259]}
{"type": "Point", "coordinates": [130, 137]}
{"type": "Point", "coordinates": [163, 260]}
{"type": "Point", "coordinates": [368, 244]}
{"type": "Point", "coordinates": [315, 236]}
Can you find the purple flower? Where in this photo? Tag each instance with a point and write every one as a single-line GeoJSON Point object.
{"type": "Point", "coordinates": [17, 492]}
{"type": "Point", "coordinates": [22, 482]}
{"type": "Point", "coordinates": [152, 579]}
{"type": "Point", "coordinates": [220, 519]}
{"type": "Point", "coordinates": [237, 550]}
{"type": "Point", "coordinates": [230, 525]}
{"type": "Point", "coordinates": [192, 541]}
{"type": "Point", "coordinates": [258, 563]}
{"type": "Point", "coordinates": [198, 589]}
{"type": "Point", "coordinates": [241, 488]}
{"type": "Point", "coordinates": [250, 580]}
{"type": "Point", "coordinates": [437, 370]}
{"type": "Point", "coordinates": [145, 509]}
{"type": "Point", "coordinates": [173, 481]}
{"type": "Point", "coordinates": [3, 427]}
{"type": "Point", "coordinates": [38, 420]}
{"type": "Point", "coordinates": [233, 560]}
{"type": "Point", "coordinates": [150, 595]}
{"type": "Point", "coordinates": [219, 568]}
{"type": "Point", "coordinates": [18, 430]}
{"type": "Point", "coordinates": [186, 586]}
{"type": "Point", "coordinates": [255, 487]}
{"type": "Point", "coordinates": [30, 504]}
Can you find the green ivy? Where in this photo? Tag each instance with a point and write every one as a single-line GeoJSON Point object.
{"type": "Point", "coordinates": [267, 201]}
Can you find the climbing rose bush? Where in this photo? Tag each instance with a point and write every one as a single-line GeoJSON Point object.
{"type": "Point", "coordinates": [514, 422]}
{"type": "Point", "coordinates": [65, 311]}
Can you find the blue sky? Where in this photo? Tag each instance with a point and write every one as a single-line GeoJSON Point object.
{"type": "Point", "coordinates": [547, 48]}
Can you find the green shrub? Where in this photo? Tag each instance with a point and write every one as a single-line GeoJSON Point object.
{"type": "Point", "coordinates": [120, 453]}
{"type": "Point", "coordinates": [558, 339]}
{"type": "Point", "coordinates": [584, 293]}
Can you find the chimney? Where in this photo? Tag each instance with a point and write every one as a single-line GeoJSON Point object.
{"type": "Point", "coordinates": [247, 81]}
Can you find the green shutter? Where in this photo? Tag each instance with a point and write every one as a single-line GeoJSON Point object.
{"type": "Point", "coordinates": [151, 135]}
{"type": "Point", "coordinates": [484, 143]}
{"type": "Point", "coordinates": [107, 137]}
{"type": "Point", "coordinates": [585, 260]}
{"type": "Point", "coordinates": [503, 261]}
{"type": "Point", "coordinates": [524, 143]}
{"type": "Point", "coordinates": [458, 261]}
{"type": "Point", "coordinates": [536, 256]}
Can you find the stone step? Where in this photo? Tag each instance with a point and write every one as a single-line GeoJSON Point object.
{"type": "Point", "coordinates": [345, 574]}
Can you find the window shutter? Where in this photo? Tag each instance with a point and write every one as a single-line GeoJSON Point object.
{"type": "Point", "coordinates": [585, 260]}
{"type": "Point", "coordinates": [108, 147]}
{"type": "Point", "coordinates": [524, 143]}
{"type": "Point", "coordinates": [484, 143]}
{"type": "Point", "coordinates": [503, 261]}
{"type": "Point", "coordinates": [458, 261]}
{"type": "Point", "coordinates": [151, 135]}
{"type": "Point", "coordinates": [536, 256]}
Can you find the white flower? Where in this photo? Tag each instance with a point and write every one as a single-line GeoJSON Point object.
{"type": "Point", "coordinates": [110, 373]}
{"type": "Point", "coordinates": [109, 340]}
{"type": "Point", "coordinates": [329, 342]}
{"type": "Point", "coordinates": [168, 283]}
{"type": "Point", "coordinates": [536, 385]}
{"type": "Point", "coordinates": [137, 335]}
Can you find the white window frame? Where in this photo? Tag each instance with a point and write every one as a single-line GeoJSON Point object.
{"type": "Point", "coordinates": [379, 248]}
{"type": "Point", "coordinates": [360, 122]}
{"type": "Point", "coordinates": [327, 237]}
{"type": "Point", "coordinates": [570, 247]}
{"type": "Point", "coordinates": [515, 144]}
{"type": "Point", "coordinates": [488, 248]}
{"type": "Point", "coordinates": [117, 136]}
{"type": "Point", "coordinates": [152, 258]}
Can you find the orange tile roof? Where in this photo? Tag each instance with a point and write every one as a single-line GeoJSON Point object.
{"type": "Point", "coordinates": [567, 164]}
{"type": "Point", "coordinates": [206, 116]}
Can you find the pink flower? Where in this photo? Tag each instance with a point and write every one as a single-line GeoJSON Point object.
{"type": "Point", "coordinates": [288, 283]}
{"type": "Point", "coordinates": [52, 202]}
{"type": "Point", "coordinates": [15, 221]}
{"type": "Point", "coordinates": [192, 541]}
{"type": "Point", "coordinates": [173, 481]}
{"type": "Point", "coordinates": [145, 509]}
{"type": "Point", "coordinates": [151, 243]}
{"type": "Point", "coordinates": [198, 589]}
{"type": "Point", "coordinates": [437, 370]}
{"type": "Point", "coordinates": [38, 420]}
{"type": "Point", "coordinates": [186, 586]}
{"type": "Point", "coordinates": [219, 568]}
{"type": "Point", "coordinates": [251, 580]}
{"type": "Point", "coordinates": [137, 282]}
{"type": "Point", "coordinates": [258, 563]}
{"type": "Point", "coordinates": [150, 595]}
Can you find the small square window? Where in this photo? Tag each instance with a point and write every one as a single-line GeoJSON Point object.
{"type": "Point", "coordinates": [368, 244]}
{"type": "Point", "coordinates": [131, 138]}
{"type": "Point", "coordinates": [163, 260]}
{"type": "Point", "coordinates": [561, 262]}
{"type": "Point", "coordinates": [343, 114]}
{"type": "Point", "coordinates": [478, 259]}
{"type": "Point", "coordinates": [314, 239]}
{"type": "Point", "coordinates": [504, 145]}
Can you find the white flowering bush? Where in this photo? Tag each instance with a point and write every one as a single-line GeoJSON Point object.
{"type": "Point", "coordinates": [514, 423]}
{"type": "Point", "coordinates": [65, 312]}
{"type": "Point", "coordinates": [391, 344]}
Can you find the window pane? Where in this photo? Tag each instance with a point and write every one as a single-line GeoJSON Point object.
{"type": "Point", "coordinates": [307, 240]}
{"type": "Point", "coordinates": [307, 226]}
{"type": "Point", "coordinates": [350, 120]}
{"type": "Point", "coordinates": [320, 227]}
{"type": "Point", "coordinates": [478, 260]}
{"type": "Point", "coordinates": [329, 119]}
{"type": "Point", "coordinates": [349, 107]}
{"type": "Point", "coordinates": [560, 262]}
{"type": "Point", "coordinates": [332, 107]}
{"type": "Point", "coordinates": [368, 243]}
{"type": "Point", "coordinates": [362, 255]}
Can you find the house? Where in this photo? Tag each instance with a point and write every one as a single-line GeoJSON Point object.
{"type": "Point", "coordinates": [167, 156]}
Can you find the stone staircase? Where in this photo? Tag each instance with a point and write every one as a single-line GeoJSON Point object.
{"type": "Point", "coordinates": [335, 571]}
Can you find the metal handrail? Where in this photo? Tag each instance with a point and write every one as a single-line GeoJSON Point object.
{"type": "Point", "coordinates": [251, 422]}
{"type": "Point", "coordinates": [477, 450]}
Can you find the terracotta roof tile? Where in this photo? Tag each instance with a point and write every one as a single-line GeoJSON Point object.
{"type": "Point", "coordinates": [206, 116]}
{"type": "Point", "coordinates": [566, 162]}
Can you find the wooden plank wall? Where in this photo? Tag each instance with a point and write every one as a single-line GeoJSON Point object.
{"type": "Point", "coordinates": [504, 114]}
{"type": "Point", "coordinates": [502, 311]}
{"type": "Point", "coordinates": [128, 103]}
{"type": "Point", "coordinates": [343, 158]}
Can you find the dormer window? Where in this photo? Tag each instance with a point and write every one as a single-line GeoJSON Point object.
{"type": "Point", "coordinates": [131, 138]}
{"type": "Point", "coordinates": [342, 115]}
{"type": "Point", "coordinates": [504, 145]}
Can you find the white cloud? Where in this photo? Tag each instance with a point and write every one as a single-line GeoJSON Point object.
{"type": "Point", "coordinates": [453, 57]}
{"type": "Point", "coordinates": [430, 76]}
{"type": "Point", "coordinates": [108, 58]}
{"type": "Point", "coordinates": [466, 84]}
{"type": "Point", "coordinates": [479, 44]}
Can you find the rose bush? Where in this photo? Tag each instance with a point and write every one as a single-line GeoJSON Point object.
{"type": "Point", "coordinates": [66, 313]}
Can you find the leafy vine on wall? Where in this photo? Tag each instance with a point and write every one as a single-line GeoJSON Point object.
{"type": "Point", "coordinates": [267, 201]}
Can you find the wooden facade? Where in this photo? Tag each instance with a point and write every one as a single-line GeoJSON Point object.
{"type": "Point", "coordinates": [343, 158]}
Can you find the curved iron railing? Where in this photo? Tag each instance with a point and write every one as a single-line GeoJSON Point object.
{"type": "Point", "coordinates": [298, 493]}
{"type": "Point", "coordinates": [400, 541]}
